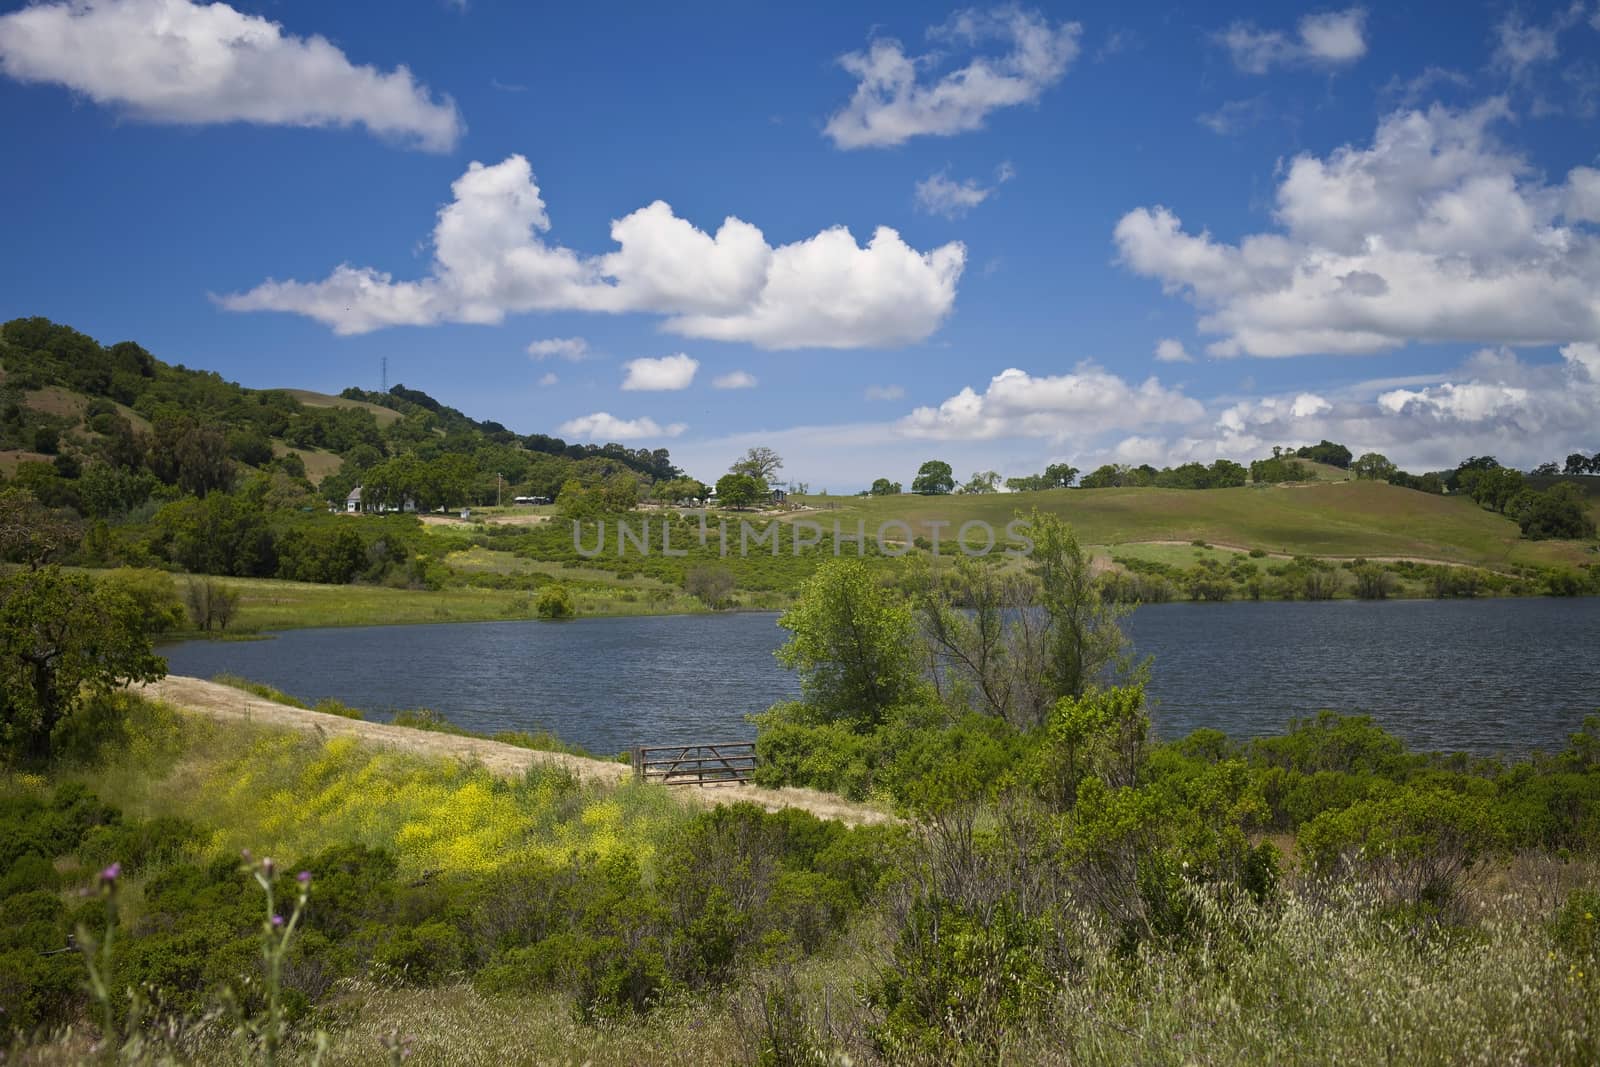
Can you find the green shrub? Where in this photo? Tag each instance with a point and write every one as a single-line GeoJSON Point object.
{"type": "Point", "coordinates": [260, 689]}
{"type": "Point", "coordinates": [429, 720]}
{"type": "Point", "coordinates": [1415, 846]}
{"type": "Point", "coordinates": [37, 990]}
{"type": "Point", "coordinates": [958, 981]}
{"type": "Point", "coordinates": [555, 602]}
{"type": "Point", "coordinates": [827, 756]}
{"type": "Point", "coordinates": [139, 845]}
{"type": "Point", "coordinates": [1576, 929]}
{"type": "Point", "coordinates": [422, 955]}
{"type": "Point", "coordinates": [962, 763]}
{"type": "Point", "coordinates": [335, 706]}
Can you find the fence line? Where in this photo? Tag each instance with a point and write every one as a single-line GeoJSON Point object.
{"type": "Point", "coordinates": [708, 764]}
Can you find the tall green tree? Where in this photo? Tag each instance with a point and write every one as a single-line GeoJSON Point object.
{"type": "Point", "coordinates": [982, 482]}
{"type": "Point", "coordinates": [31, 533]}
{"type": "Point", "coordinates": [853, 642]}
{"type": "Point", "coordinates": [1085, 644]}
{"type": "Point", "coordinates": [760, 463]}
{"type": "Point", "coordinates": [64, 637]}
{"type": "Point", "coordinates": [934, 477]}
{"type": "Point", "coordinates": [1374, 466]}
{"type": "Point", "coordinates": [737, 490]}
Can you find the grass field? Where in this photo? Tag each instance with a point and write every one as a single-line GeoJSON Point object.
{"type": "Point", "coordinates": [313, 399]}
{"type": "Point", "coordinates": [271, 604]}
{"type": "Point", "coordinates": [1329, 519]}
{"type": "Point", "coordinates": [319, 464]}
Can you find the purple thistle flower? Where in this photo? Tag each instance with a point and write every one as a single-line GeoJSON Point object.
{"type": "Point", "coordinates": [277, 921]}
{"type": "Point", "coordinates": [304, 877]}
{"type": "Point", "coordinates": [111, 873]}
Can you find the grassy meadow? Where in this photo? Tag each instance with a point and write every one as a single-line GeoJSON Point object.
{"type": "Point", "coordinates": [267, 604]}
{"type": "Point", "coordinates": [493, 566]}
{"type": "Point", "coordinates": [1342, 520]}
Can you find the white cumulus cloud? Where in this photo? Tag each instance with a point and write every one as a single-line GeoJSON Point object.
{"type": "Point", "coordinates": [603, 426]}
{"type": "Point", "coordinates": [1327, 39]}
{"type": "Point", "coordinates": [1521, 412]}
{"type": "Point", "coordinates": [572, 349]}
{"type": "Point", "coordinates": [490, 260]}
{"type": "Point", "coordinates": [885, 392]}
{"type": "Point", "coordinates": [892, 102]}
{"type": "Point", "coordinates": [180, 62]}
{"type": "Point", "coordinates": [663, 374]}
{"type": "Point", "coordinates": [548, 379]}
{"type": "Point", "coordinates": [1087, 401]}
{"type": "Point", "coordinates": [1171, 350]}
{"type": "Point", "coordinates": [737, 379]}
{"type": "Point", "coordinates": [1434, 232]}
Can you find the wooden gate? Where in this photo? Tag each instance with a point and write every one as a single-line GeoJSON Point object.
{"type": "Point", "coordinates": [715, 764]}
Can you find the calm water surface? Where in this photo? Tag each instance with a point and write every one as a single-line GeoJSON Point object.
{"type": "Point", "coordinates": [1489, 676]}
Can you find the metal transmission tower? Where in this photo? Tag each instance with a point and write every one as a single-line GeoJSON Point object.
{"type": "Point", "coordinates": [383, 362]}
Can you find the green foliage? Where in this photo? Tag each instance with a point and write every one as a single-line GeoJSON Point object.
{"type": "Point", "coordinates": [210, 603]}
{"type": "Point", "coordinates": [1085, 643]}
{"type": "Point", "coordinates": [1055, 476]}
{"type": "Point", "coordinates": [332, 706]}
{"type": "Point", "coordinates": [1558, 512]}
{"type": "Point", "coordinates": [579, 501]}
{"type": "Point", "coordinates": [1278, 469]}
{"type": "Point", "coordinates": [1103, 735]}
{"type": "Point", "coordinates": [260, 689]}
{"type": "Point", "coordinates": [959, 980]}
{"type": "Point", "coordinates": [1325, 451]}
{"type": "Point", "coordinates": [711, 585]}
{"type": "Point", "coordinates": [934, 477]}
{"type": "Point", "coordinates": [939, 767]}
{"type": "Point", "coordinates": [791, 749]}
{"type": "Point", "coordinates": [221, 534]}
{"type": "Point", "coordinates": [555, 602]}
{"type": "Point", "coordinates": [852, 644]}
{"type": "Point", "coordinates": [153, 594]}
{"type": "Point", "coordinates": [1576, 929]}
{"type": "Point", "coordinates": [63, 636]}
{"type": "Point", "coordinates": [1374, 466]}
{"type": "Point", "coordinates": [1414, 844]}
{"type": "Point", "coordinates": [739, 490]}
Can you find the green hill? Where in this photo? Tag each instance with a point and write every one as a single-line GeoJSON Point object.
{"type": "Point", "coordinates": [135, 446]}
{"type": "Point", "coordinates": [311, 399]}
{"type": "Point", "coordinates": [1331, 519]}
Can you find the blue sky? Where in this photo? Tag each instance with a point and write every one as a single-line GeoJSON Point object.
{"type": "Point", "coordinates": [1000, 236]}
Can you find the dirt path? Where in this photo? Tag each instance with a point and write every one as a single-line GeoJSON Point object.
{"type": "Point", "coordinates": [228, 704]}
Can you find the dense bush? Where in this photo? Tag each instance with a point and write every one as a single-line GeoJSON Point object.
{"type": "Point", "coordinates": [555, 602]}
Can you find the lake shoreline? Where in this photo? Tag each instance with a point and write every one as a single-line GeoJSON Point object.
{"type": "Point", "coordinates": [1480, 676]}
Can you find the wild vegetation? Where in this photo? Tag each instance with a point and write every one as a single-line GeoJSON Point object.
{"type": "Point", "coordinates": [119, 460]}
{"type": "Point", "coordinates": [1062, 886]}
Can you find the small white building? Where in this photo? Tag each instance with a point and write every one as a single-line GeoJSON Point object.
{"type": "Point", "coordinates": [352, 504]}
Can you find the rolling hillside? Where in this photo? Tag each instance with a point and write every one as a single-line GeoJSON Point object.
{"type": "Point", "coordinates": [1336, 519]}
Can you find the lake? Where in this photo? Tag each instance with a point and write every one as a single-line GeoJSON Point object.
{"type": "Point", "coordinates": [1482, 676]}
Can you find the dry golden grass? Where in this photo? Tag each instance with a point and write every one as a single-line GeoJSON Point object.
{"type": "Point", "coordinates": [312, 399]}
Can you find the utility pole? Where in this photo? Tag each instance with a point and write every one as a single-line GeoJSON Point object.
{"type": "Point", "coordinates": [496, 488]}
